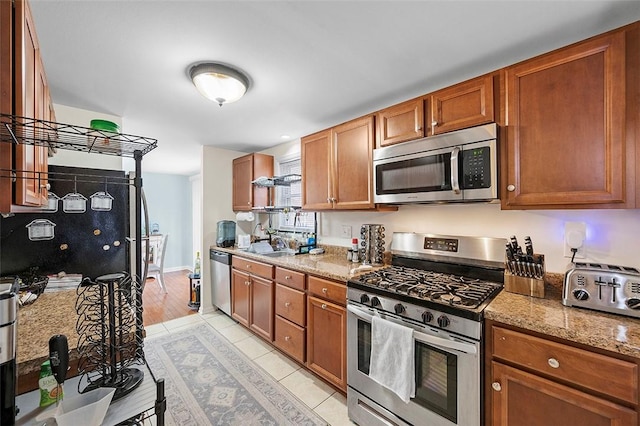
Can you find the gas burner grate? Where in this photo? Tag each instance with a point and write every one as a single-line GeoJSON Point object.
{"type": "Point", "coordinates": [445, 288]}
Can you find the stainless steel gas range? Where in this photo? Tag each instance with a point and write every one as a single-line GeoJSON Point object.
{"type": "Point", "coordinates": [437, 287]}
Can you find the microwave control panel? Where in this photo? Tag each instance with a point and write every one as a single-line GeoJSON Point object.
{"type": "Point", "coordinates": [476, 168]}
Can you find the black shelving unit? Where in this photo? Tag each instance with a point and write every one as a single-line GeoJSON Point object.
{"type": "Point", "coordinates": [53, 135]}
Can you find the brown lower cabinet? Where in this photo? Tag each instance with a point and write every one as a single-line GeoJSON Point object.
{"type": "Point", "coordinates": [532, 380]}
{"type": "Point", "coordinates": [252, 296]}
{"type": "Point", "coordinates": [305, 318]}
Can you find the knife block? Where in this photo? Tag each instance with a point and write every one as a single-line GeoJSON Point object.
{"type": "Point", "coordinates": [523, 285]}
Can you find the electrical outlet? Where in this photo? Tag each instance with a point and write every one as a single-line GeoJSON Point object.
{"type": "Point", "coordinates": [575, 234]}
{"type": "Point", "coordinates": [346, 231]}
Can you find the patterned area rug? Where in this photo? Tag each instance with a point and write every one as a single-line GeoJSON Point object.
{"type": "Point", "coordinates": [208, 381]}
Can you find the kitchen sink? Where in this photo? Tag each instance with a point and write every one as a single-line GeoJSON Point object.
{"type": "Point", "coordinates": [279, 253]}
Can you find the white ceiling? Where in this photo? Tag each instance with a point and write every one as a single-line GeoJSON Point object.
{"type": "Point", "coordinates": [313, 64]}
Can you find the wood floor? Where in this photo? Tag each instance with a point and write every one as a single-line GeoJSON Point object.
{"type": "Point", "coordinates": [159, 306]}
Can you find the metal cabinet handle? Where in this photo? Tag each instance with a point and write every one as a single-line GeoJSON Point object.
{"type": "Point", "coordinates": [418, 128]}
{"type": "Point", "coordinates": [287, 338]}
{"type": "Point", "coordinates": [511, 188]}
{"type": "Point", "coordinates": [496, 386]}
{"type": "Point", "coordinates": [287, 304]}
{"type": "Point", "coordinates": [248, 266]}
{"type": "Point", "coordinates": [553, 363]}
{"type": "Point", "coordinates": [325, 290]}
{"type": "Point", "coordinates": [323, 306]}
{"type": "Point", "coordinates": [287, 277]}
{"type": "Point", "coordinates": [247, 283]}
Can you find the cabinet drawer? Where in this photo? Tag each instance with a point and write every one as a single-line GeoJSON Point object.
{"type": "Point", "coordinates": [290, 278]}
{"type": "Point", "coordinates": [331, 290]}
{"type": "Point", "coordinates": [290, 338]}
{"type": "Point", "coordinates": [600, 373]}
{"type": "Point", "coordinates": [256, 268]}
{"type": "Point", "coordinates": [291, 304]}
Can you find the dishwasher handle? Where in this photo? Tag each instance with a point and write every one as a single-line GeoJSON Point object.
{"type": "Point", "coordinates": [220, 256]}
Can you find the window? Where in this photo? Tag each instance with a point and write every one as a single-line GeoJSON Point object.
{"type": "Point", "coordinates": [291, 196]}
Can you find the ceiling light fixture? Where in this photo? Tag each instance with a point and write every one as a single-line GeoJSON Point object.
{"type": "Point", "coordinates": [219, 82]}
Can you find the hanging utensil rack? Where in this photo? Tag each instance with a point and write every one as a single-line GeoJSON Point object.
{"type": "Point", "coordinates": [53, 135]}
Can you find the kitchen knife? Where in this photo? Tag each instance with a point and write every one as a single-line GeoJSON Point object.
{"type": "Point", "coordinates": [59, 359]}
{"type": "Point", "coordinates": [514, 245]}
{"type": "Point", "coordinates": [529, 247]}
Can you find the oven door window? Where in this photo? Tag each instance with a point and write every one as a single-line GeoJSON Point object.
{"type": "Point", "coordinates": [436, 374]}
{"type": "Point", "coordinates": [423, 174]}
{"type": "Point", "coordinates": [437, 380]}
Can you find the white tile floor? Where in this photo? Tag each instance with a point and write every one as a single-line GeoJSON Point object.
{"type": "Point", "coordinates": [321, 398]}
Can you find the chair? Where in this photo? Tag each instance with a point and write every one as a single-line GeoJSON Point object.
{"type": "Point", "coordinates": [156, 268]}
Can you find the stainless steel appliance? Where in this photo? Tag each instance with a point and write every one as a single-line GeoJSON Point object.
{"type": "Point", "coordinates": [226, 236]}
{"type": "Point", "coordinates": [438, 286]}
{"type": "Point", "coordinates": [8, 342]}
{"type": "Point", "coordinates": [372, 242]}
{"type": "Point", "coordinates": [458, 166]}
{"type": "Point", "coordinates": [607, 288]}
{"type": "Point", "coordinates": [221, 280]}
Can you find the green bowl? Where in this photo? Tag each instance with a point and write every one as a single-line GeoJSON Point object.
{"type": "Point", "coordinates": [105, 125]}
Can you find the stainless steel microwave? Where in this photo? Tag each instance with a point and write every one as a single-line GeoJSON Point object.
{"type": "Point", "coordinates": [460, 166]}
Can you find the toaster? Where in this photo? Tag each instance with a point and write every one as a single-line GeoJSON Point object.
{"type": "Point", "coordinates": [608, 288]}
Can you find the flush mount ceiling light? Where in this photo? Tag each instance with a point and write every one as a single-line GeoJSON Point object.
{"type": "Point", "coordinates": [219, 82]}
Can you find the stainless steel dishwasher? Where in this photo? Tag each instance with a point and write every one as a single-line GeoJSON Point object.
{"type": "Point", "coordinates": [221, 280]}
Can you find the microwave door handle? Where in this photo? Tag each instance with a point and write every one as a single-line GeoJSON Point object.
{"type": "Point", "coordinates": [455, 184]}
{"type": "Point", "coordinates": [422, 337]}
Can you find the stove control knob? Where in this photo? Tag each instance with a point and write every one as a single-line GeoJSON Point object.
{"type": "Point", "coordinates": [427, 317]}
{"type": "Point", "coordinates": [443, 321]}
{"type": "Point", "coordinates": [375, 301]}
{"type": "Point", "coordinates": [399, 308]}
{"type": "Point", "coordinates": [364, 298]}
{"type": "Point", "coordinates": [633, 303]}
{"type": "Point", "coordinates": [580, 294]}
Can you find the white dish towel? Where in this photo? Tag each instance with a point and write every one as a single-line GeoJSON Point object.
{"type": "Point", "coordinates": [392, 357]}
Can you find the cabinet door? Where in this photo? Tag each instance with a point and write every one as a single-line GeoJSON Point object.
{"type": "Point", "coordinates": [326, 340]}
{"type": "Point", "coordinates": [400, 123]}
{"type": "Point", "coordinates": [524, 399]}
{"type": "Point", "coordinates": [240, 296]}
{"type": "Point", "coordinates": [242, 188]}
{"type": "Point", "coordinates": [29, 90]}
{"type": "Point", "coordinates": [463, 105]}
{"type": "Point", "coordinates": [315, 156]}
{"type": "Point", "coordinates": [261, 320]}
{"type": "Point", "coordinates": [353, 164]}
{"type": "Point", "coordinates": [566, 127]}
{"type": "Point", "coordinates": [6, 100]}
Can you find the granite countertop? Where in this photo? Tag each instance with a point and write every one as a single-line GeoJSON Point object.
{"type": "Point", "coordinates": [332, 264]}
{"type": "Point", "coordinates": [52, 313]}
{"type": "Point", "coordinates": [615, 333]}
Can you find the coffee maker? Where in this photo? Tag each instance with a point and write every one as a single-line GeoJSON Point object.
{"type": "Point", "coordinates": [226, 236]}
{"type": "Point", "coordinates": [8, 341]}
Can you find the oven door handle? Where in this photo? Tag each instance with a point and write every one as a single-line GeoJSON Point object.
{"type": "Point", "coordinates": [422, 337]}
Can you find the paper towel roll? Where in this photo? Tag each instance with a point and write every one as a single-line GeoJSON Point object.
{"type": "Point", "coordinates": [245, 216]}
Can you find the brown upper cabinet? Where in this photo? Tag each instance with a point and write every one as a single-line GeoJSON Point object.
{"type": "Point", "coordinates": [246, 169]}
{"type": "Point", "coordinates": [460, 106]}
{"type": "Point", "coordinates": [25, 93]}
{"type": "Point", "coordinates": [467, 104]}
{"type": "Point", "coordinates": [337, 167]}
{"type": "Point", "coordinates": [567, 113]}
{"type": "Point", "coordinates": [400, 123]}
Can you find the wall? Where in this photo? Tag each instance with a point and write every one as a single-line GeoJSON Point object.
{"type": "Point", "coordinates": [217, 177]}
{"type": "Point", "coordinates": [611, 234]}
{"type": "Point", "coordinates": [170, 203]}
